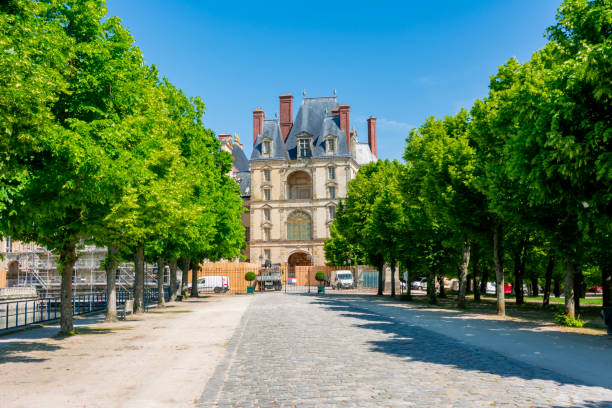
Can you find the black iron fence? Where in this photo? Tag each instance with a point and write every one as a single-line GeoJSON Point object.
{"type": "Point", "coordinates": [22, 313]}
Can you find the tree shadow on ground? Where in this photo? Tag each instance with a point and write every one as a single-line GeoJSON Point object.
{"type": "Point", "coordinates": [15, 352]}
{"type": "Point", "coordinates": [413, 342]}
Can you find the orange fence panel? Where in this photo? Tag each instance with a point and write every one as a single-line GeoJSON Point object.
{"type": "Point", "coordinates": [235, 271]}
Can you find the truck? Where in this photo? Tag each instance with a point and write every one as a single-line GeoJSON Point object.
{"type": "Point", "coordinates": [342, 279]}
{"type": "Point", "coordinates": [270, 277]}
{"type": "Point", "coordinates": [217, 284]}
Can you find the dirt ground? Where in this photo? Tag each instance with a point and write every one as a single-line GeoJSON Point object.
{"type": "Point", "coordinates": [162, 358]}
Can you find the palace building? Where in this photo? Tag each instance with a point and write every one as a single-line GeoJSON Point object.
{"type": "Point", "coordinates": [297, 172]}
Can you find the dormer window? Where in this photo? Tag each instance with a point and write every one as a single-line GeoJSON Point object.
{"type": "Point", "coordinates": [266, 148]}
{"type": "Point", "coordinates": [304, 148]}
{"type": "Point", "coordinates": [330, 145]}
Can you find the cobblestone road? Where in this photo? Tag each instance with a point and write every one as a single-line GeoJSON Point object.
{"type": "Point", "coordinates": [307, 351]}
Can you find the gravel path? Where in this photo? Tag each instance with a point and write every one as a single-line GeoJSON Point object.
{"type": "Point", "coordinates": [307, 351]}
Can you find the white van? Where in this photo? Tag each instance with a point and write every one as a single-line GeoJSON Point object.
{"type": "Point", "coordinates": [342, 279]}
{"type": "Point", "coordinates": [217, 284]}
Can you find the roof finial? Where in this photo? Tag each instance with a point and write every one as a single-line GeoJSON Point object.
{"type": "Point", "coordinates": [325, 111]}
{"type": "Point", "coordinates": [334, 91]}
{"type": "Point", "coordinates": [275, 115]}
{"type": "Point", "coordinates": [304, 93]}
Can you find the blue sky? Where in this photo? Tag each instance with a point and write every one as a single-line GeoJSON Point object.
{"type": "Point", "coordinates": [399, 61]}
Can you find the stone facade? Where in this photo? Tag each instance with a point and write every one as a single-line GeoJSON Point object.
{"type": "Point", "coordinates": [298, 172]}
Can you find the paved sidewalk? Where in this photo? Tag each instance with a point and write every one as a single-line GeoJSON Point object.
{"type": "Point", "coordinates": [300, 350]}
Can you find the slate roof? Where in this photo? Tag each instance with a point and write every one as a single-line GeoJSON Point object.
{"type": "Point", "coordinates": [314, 118]}
{"type": "Point", "coordinates": [271, 129]}
{"type": "Point", "coordinates": [363, 154]}
{"type": "Point", "coordinates": [241, 163]}
{"type": "Point", "coordinates": [244, 180]}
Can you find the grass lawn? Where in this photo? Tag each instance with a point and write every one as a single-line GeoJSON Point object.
{"type": "Point", "coordinates": [530, 311]}
{"type": "Point", "coordinates": [560, 300]}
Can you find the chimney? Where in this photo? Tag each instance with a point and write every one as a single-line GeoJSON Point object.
{"type": "Point", "coordinates": [286, 114]}
{"type": "Point", "coordinates": [345, 122]}
{"type": "Point", "coordinates": [226, 142]}
{"type": "Point", "coordinates": [258, 120]}
{"type": "Point", "coordinates": [372, 135]}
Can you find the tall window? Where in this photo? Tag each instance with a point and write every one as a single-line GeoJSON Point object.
{"type": "Point", "coordinates": [299, 186]}
{"type": "Point", "coordinates": [331, 173]}
{"type": "Point", "coordinates": [266, 175]}
{"type": "Point", "coordinates": [331, 145]}
{"type": "Point", "coordinates": [267, 214]}
{"type": "Point", "coordinates": [267, 194]}
{"type": "Point", "coordinates": [332, 212]}
{"type": "Point", "coordinates": [332, 192]}
{"type": "Point", "coordinates": [266, 234]}
{"type": "Point", "coordinates": [304, 148]}
{"type": "Point", "coordinates": [267, 254]}
{"type": "Point", "coordinates": [266, 148]}
{"type": "Point", "coordinates": [299, 226]}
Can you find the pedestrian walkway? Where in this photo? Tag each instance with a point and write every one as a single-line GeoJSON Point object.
{"type": "Point", "coordinates": [301, 350]}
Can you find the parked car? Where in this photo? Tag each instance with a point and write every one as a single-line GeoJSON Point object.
{"type": "Point", "coordinates": [217, 284]}
{"type": "Point", "coordinates": [420, 284]}
{"type": "Point", "coordinates": [596, 289]}
{"type": "Point", "coordinates": [342, 279]}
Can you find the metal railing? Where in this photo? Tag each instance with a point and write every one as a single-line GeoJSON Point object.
{"type": "Point", "coordinates": [22, 313]}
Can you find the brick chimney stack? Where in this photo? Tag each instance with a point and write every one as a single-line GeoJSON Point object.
{"type": "Point", "coordinates": [286, 114]}
{"type": "Point", "coordinates": [258, 120]}
{"type": "Point", "coordinates": [372, 135]}
{"type": "Point", "coordinates": [345, 122]}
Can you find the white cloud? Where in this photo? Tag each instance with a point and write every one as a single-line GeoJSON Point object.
{"type": "Point", "coordinates": [391, 124]}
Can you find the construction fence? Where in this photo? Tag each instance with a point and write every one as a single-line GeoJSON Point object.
{"type": "Point", "coordinates": [297, 277]}
{"type": "Point", "coordinates": [235, 271]}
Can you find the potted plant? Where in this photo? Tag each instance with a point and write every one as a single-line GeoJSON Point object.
{"type": "Point", "coordinates": [250, 277]}
{"type": "Point", "coordinates": [321, 277]}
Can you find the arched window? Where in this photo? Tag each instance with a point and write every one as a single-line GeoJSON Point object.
{"type": "Point", "coordinates": [299, 226]}
{"type": "Point", "coordinates": [299, 186]}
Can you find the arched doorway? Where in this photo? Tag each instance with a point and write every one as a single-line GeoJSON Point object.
{"type": "Point", "coordinates": [297, 259]}
{"type": "Point", "coordinates": [299, 186]}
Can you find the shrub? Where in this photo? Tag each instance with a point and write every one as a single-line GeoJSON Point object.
{"type": "Point", "coordinates": [565, 320]}
{"type": "Point", "coordinates": [321, 276]}
{"type": "Point", "coordinates": [250, 276]}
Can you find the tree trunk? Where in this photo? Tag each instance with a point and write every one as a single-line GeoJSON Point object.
{"type": "Point", "coordinates": [431, 287]}
{"type": "Point", "coordinates": [465, 263]}
{"type": "Point", "coordinates": [408, 288]}
{"type": "Point", "coordinates": [381, 279]}
{"type": "Point", "coordinates": [441, 282]}
{"type": "Point", "coordinates": [185, 274]}
{"type": "Point", "coordinates": [173, 288]}
{"type": "Point", "coordinates": [535, 291]}
{"type": "Point", "coordinates": [194, 279]}
{"type": "Point", "coordinates": [67, 260]}
{"type": "Point", "coordinates": [475, 271]}
{"type": "Point", "coordinates": [498, 261]}
{"type": "Point", "coordinates": [578, 278]}
{"type": "Point", "coordinates": [569, 289]}
{"type": "Point", "coordinates": [161, 265]}
{"type": "Point", "coordinates": [557, 288]}
{"type": "Point", "coordinates": [606, 284]}
{"type": "Point", "coordinates": [484, 281]}
{"type": "Point", "coordinates": [548, 278]}
{"type": "Point", "coordinates": [111, 290]}
{"type": "Point", "coordinates": [393, 278]}
{"type": "Point", "coordinates": [518, 277]}
{"type": "Point", "coordinates": [139, 277]}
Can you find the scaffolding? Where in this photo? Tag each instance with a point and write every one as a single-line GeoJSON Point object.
{"type": "Point", "coordinates": [29, 264]}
